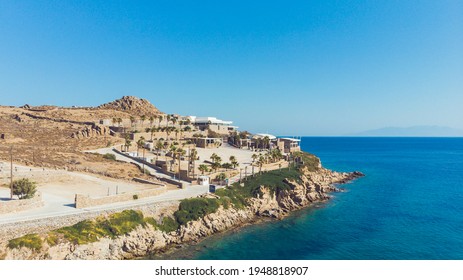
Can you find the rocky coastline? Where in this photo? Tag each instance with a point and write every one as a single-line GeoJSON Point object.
{"type": "Point", "coordinates": [313, 186]}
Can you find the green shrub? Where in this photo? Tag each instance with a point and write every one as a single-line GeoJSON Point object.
{"type": "Point", "coordinates": [81, 233]}
{"type": "Point", "coordinates": [194, 208]}
{"type": "Point", "coordinates": [109, 156]}
{"type": "Point", "coordinates": [225, 201]}
{"type": "Point", "coordinates": [52, 239]}
{"type": "Point", "coordinates": [115, 225]}
{"type": "Point", "coordinates": [24, 188]}
{"type": "Point", "coordinates": [135, 196]}
{"type": "Point", "coordinates": [309, 161]}
{"type": "Point", "coordinates": [31, 241]}
{"type": "Point", "coordinates": [273, 180]}
{"type": "Point", "coordinates": [168, 224]}
{"type": "Point", "coordinates": [122, 223]}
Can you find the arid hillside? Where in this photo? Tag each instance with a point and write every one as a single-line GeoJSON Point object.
{"type": "Point", "coordinates": [50, 136]}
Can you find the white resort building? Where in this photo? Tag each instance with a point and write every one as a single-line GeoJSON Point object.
{"type": "Point", "coordinates": [214, 124]}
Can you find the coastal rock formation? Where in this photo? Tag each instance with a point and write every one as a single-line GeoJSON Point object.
{"type": "Point", "coordinates": [133, 105]}
{"type": "Point", "coordinates": [313, 186]}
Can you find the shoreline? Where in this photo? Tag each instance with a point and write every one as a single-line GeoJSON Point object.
{"type": "Point", "coordinates": [312, 187]}
{"type": "Point", "coordinates": [180, 251]}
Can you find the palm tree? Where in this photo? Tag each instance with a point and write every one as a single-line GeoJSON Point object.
{"type": "Point", "coordinates": [254, 157]}
{"type": "Point", "coordinates": [160, 117]}
{"type": "Point", "coordinates": [151, 121]}
{"type": "Point", "coordinates": [159, 146]}
{"type": "Point", "coordinates": [128, 143]}
{"type": "Point", "coordinates": [221, 177]}
{"type": "Point", "coordinates": [152, 131]}
{"type": "Point", "coordinates": [237, 140]}
{"type": "Point", "coordinates": [140, 144]}
{"type": "Point", "coordinates": [193, 156]}
{"type": "Point", "coordinates": [260, 163]}
{"type": "Point", "coordinates": [216, 160]}
{"type": "Point", "coordinates": [142, 118]}
{"type": "Point", "coordinates": [244, 134]}
{"type": "Point", "coordinates": [119, 121]}
{"type": "Point", "coordinates": [173, 150]}
{"type": "Point", "coordinates": [174, 120]}
{"type": "Point", "coordinates": [114, 121]}
{"type": "Point", "coordinates": [132, 120]}
{"type": "Point", "coordinates": [266, 142]}
{"type": "Point", "coordinates": [203, 168]}
{"type": "Point", "coordinates": [276, 154]}
{"type": "Point", "coordinates": [168, 120]}
{"type": "Point", "coordinates": [233, 161]}
{"type": "Point", "coordinates": [177, 131]}
{"type": "Point", "coordinates": [168, 131]}
{"type": "Point", "coordinates": [180, 152]}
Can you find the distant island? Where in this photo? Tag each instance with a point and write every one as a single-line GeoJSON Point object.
{"type": "Point", "coordinates": [413, 131]}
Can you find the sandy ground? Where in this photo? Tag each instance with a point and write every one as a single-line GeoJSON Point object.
{"type": "Point", "coordinates": [244, 157]}
{"type": "Point", "coordinates": [66, 184]}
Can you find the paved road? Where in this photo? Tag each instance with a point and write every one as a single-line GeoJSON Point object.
{"type": "Point", "coordinates": [50, 210]}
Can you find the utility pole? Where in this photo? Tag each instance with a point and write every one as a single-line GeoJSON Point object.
{"type": "Point", "coordinates": [11, 172]}
{"type": "Point", "coordinates": [143, 161]}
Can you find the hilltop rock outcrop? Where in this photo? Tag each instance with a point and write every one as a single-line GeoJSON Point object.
{"type": "Point", "coordinates": [132, 105]}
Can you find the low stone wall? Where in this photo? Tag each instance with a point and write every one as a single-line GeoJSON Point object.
{"type": "Point", "coordinates": [11, 206]}
{"type": "Point", "coordinates": [143, 181]}
{"type": "Point", "coordinates": [84, 201]}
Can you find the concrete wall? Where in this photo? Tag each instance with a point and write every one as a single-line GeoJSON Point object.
{"type": "Point", "coordinates": [11, 206]}
{"type": "Point", "coordinates": [84, 201]}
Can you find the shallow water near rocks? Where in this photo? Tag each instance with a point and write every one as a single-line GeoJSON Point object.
{"type": "Point", "coordinates": [408, 206]}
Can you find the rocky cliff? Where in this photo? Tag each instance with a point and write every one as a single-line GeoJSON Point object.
{"type": "Point", "coordinates": [312, 187]}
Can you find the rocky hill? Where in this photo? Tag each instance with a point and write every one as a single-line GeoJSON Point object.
{"type": "Point", "coordinates": [132, 105]}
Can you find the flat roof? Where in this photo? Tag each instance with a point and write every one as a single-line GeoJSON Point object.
{"type": "Point", "coordinates": [262, 135]}
{"type": "Point", "coordinates": [291, 139]}
{"type": "Point", "coordinates": [212, 120]}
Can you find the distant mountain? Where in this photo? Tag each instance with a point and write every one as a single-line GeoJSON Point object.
{"type": "Point", "coordinates": [412, 131]}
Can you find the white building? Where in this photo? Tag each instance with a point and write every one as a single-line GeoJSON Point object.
{"type": "Point", "coordinates": [263, 135]}
{"type": "Point", "coordinates": [213, 123]}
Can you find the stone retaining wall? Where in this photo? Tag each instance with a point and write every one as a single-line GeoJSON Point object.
{"type": "Point", "coordinates": [40, 226]}
{"type": "Point", "coordinates": [84, 201]}
{"type": "Point", "coordinates": [143, 181]}
{"type": "Point", "coordinates": [11, 206]}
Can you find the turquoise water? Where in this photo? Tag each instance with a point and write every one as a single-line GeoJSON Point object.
{"type": "Point", "coordinates": [409, 206]}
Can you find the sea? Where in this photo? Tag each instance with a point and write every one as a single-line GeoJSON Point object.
{"type": "Point", "coordinates": [408, 206]}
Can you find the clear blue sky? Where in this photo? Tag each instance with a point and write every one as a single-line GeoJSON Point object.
{"type": "Point", "coordinates": [283, 67]}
